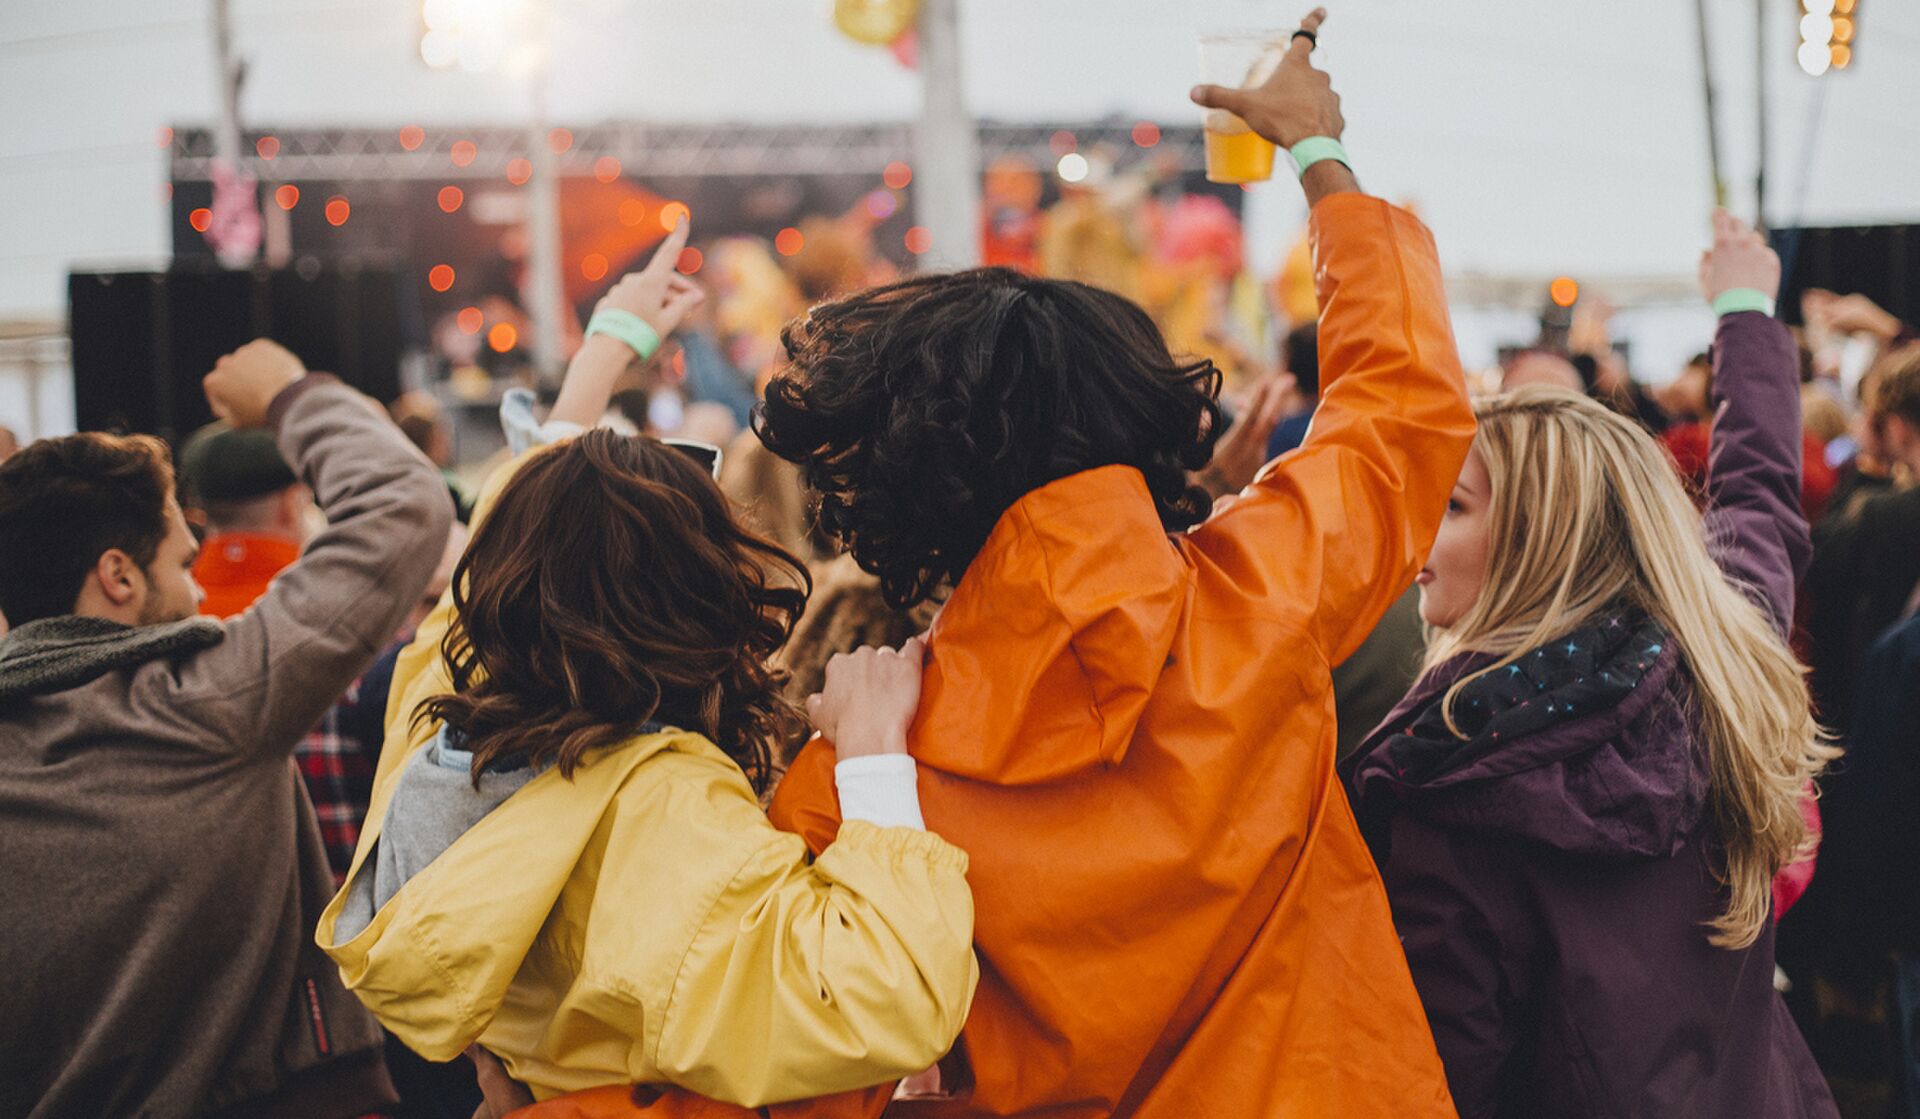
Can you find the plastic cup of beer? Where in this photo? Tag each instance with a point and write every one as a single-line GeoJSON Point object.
{"type": "Point", "coordinates": [1235, 153]}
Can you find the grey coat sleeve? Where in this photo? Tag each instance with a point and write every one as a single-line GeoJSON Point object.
{"type": "Point", "coordinates": [1754, 521]}
{"type": "Point", "coordinates": [290, 655]}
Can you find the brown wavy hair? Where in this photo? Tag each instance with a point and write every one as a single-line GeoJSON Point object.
{"type": "Point", "coordinates": [611, 586]}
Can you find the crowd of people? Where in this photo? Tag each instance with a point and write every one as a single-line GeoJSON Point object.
{"type": "Point", "coordinates": [1022, 717]}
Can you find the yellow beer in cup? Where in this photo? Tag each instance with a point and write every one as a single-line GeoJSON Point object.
{"type": "Point", "coordinates": [1235, 153]}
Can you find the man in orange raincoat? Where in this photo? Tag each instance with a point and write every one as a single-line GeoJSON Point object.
{"type": "Point", "coordinates": [1130, 727]}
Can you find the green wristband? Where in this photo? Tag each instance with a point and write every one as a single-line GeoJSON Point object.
{"type": "Point", "coordinates": [1313, 149]}
{"type": "Point", "coordinates": [1743, 299]}
{"type": "Point", "coordinates": [626, 327]}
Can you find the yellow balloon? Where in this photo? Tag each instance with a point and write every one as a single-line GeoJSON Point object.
{"type": "Point", "coordinates": [875, 22]}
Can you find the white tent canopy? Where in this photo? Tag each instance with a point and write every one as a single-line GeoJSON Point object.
{"type": "Point", "coordinates": [1535, 137]}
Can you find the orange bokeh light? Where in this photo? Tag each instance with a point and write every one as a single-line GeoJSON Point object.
{"type": "Point", "coordinates": [606, 168]}
{"type": "Point", "coordinates": [559, 140]}
{"type": "Point", "coordinates": [633, 212]}
{"type": "Point", "coordinates": [919, 239]}
{"type": "Point", "coordinates": [163, 138]}
{"type": "Point", "coordinates": [789, 241]}
{"type": "Point", "coordinates": [1146, 134]}
{"type": "Point", "coordinates": [593, 266]}
{"type": "Point", "coordinates": [412, 136]}
{"type": "Point", "coordinates": [287, 195]}
{"type": "Point", "coordinates": [502, 337]}
{"type": "Point", "coordinates": [690, 260]}
{"type": "Point", "coordinates": [470, 320]}
{"type": "Point", "coordinates": [267, 147]}
{"type": "Point", "coordinates": [1842, 54]}
{"type": "Point", "coordinates": [450, 198]}
{"type": "Point", "coordinates": [200, 219]}
{"type": "Point", "coordinates": [1062, 142]}
{"type": "Point", "coordinates": [519, 170]}
{"type": "Point", "coordinates": [463, 152]}
{"type": "Point", "coordinates": [1563, 291]}
{"type": "Point", "coordinates": [673, 213]}
{"type": "Point", "coordinates": [440, 277]}
{"type": "Point", "coordinates": [337, 210]}
{"type": "Point", "coordinates": [897, 175]}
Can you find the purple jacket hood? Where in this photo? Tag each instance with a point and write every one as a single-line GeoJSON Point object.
{"type": "Point", "coordinates": [1621, 779]}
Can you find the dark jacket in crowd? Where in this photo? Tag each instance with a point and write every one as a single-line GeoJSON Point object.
{"type": "Point", "coordinates": [161, 870]}
{"type": "Point", "coordinates": [1867, 903]}
{"type": "Point", "coordinates": [1552, 874]}
{"type": "Point", "coordinates": [1866, 564]}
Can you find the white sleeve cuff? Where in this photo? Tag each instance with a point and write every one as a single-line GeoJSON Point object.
{"type": "Point", "coordinates": [523, 430]}
{"type": "Point", "coordinates": [880, 789]}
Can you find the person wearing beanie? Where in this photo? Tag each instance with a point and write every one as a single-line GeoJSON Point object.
{"type": "Point", "coordinates": [255, 514]}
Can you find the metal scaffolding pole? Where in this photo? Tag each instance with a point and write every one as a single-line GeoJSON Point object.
{"type": "Point", "coordinates": [946, 144]}
{"type": "Point", "coordinates": [1713, 120]}
{"type": "Point", "coordinates": [1760, 117]}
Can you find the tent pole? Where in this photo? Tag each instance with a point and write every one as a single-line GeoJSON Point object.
{"type": "Point", "coordinates": [947, 146]}
{"type": "Point", "coordinates": [1713, 123]}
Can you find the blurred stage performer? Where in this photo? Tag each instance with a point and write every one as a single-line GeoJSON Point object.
{"type": "Point", "coordinates": [1127, 716]}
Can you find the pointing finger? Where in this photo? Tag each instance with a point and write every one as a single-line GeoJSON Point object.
{"type": "Point", "coordinates": [668, 254]}
{"type": "Point", "coordinates": [1300, 46]}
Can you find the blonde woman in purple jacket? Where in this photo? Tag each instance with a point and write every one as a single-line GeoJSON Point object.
{"type": "Point", "coordinates": [1580, 807]}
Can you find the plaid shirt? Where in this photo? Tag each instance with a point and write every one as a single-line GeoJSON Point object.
{"type": "Point", "coordinates": [337, 760]}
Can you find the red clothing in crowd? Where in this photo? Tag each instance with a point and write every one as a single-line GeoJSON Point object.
{"type": "Point", "coordinates": [234, 569]}
{"type": "Point", "coordinates": [1687, 443]}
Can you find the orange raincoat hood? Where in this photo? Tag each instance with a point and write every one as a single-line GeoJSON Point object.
{"type": "Point", "coordinates": [1045, 678]}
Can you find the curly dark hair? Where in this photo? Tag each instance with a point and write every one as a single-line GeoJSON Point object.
{"type": "Point", "coordinates": [920, 411]}
{"type": "Point", "coordinates": [611, 586]}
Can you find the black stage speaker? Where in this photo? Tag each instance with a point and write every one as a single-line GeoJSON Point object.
{"type": "Point", "coordinates": [142, 340]}
{"type": "Point", "coordinates": [1881, 262]}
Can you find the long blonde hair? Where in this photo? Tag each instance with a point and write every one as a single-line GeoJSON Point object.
{"type": "Point", "coordinates": [1587, 514]}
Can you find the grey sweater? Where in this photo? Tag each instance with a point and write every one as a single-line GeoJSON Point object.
{"type": "Point", "coordinates": [161, 869]}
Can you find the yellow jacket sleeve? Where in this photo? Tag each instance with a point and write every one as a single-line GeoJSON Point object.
{"type": "Point", "coordinates": [790, 978]}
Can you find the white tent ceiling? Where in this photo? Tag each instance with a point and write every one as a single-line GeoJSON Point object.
{"type": "Point", "coordinates": [1536, 136]}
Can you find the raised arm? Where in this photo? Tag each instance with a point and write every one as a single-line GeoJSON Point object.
{"type": "Point", "coordinates": [658, 297]}
{"type": "Point", "coordinates": [288, 657]}
{"type": "Point", "coordinates": [1754, 520]}
{"type": "Point", "coordinates": [1336, 531]}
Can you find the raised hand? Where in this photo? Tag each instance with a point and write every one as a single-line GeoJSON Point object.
{"type": "Point", "coordinates": [1242, 449]}
{"type": "Point", "coordinates": [1296, 102]}
{"type": "Point", "coordinates": [870, 699]}
{"type": "Point", "coordinates": [1739, 258]}
{"type": "Point", "coordinates": [244, 382]}
{"type": "Point", "coordinates": [661, 296]}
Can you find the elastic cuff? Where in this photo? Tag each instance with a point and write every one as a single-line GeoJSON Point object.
{"type": "Point", "coordinates": [1734, 300]}
{"type": "Point", "coordinates": [880, 789]}
{"type": "Point", "coordinates": [283, 400]}
{"type": "Point", "coordinates": [864, 837]}
{"type": "Point", "coordinates": [1313, 149]}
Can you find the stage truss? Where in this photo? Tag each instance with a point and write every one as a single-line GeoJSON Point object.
{"type": "Point", "coordinates": [655, 150]}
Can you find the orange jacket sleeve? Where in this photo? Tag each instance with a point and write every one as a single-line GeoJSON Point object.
{"type": "Point", "coordinates": [1335, 531]}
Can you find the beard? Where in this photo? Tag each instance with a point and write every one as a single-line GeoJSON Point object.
{"type": "Point", "coordinates": [159, 610]}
